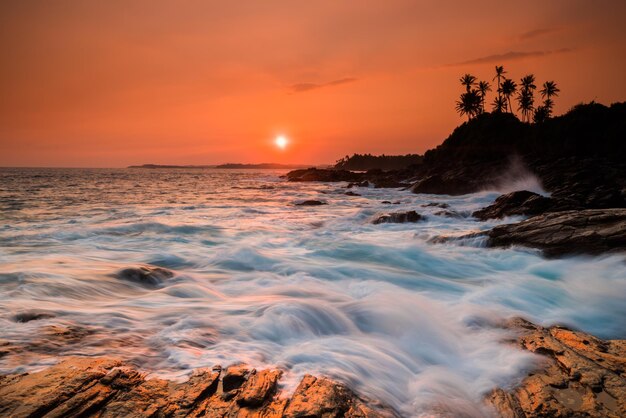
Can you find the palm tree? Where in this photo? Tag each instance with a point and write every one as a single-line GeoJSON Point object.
{"type": "Point", "coordinates": [549, 89]}
{"type": "Point", "coordinates": [483, 88]}
{"type": "Point", "coordinates": [499, 75]}
{"type": "Point", "coordinates": [526, 96]}
{"type": "Point", "coordinates": [468, 81]}
{"type": "Point", "coordinates": [469, 104]}
{"type": "Point", "coordinates": [499, 104]}
{"type": "Point", "coordinates": [509, 87]}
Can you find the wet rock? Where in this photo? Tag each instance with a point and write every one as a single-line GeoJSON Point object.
{"type": "Point", "coordinates": [314, 174]}
{"type": "Point", "coordinates": [311, 203]}
{"type": "Point", "coordinates": [449, 214]}
{"type": "Point", "coordinates": [351, 193]}
{"type": "Point", "coordinates": [103, 387]}
{"type": "Point", "coordinates": [440, 184]}
{"type": "Point", "coordinates": [436, 205]}
{"type": "Point", "coordinates": [590, 231]}
{"type": "Point", "coordinates": [148, 276]}
{"type": "Point", "coordinates": [581, 376]}
{"type": "Point", "coordinates": [521, 202]}
{"type": "Point", "coordinates": [34, 315]}
{"type": "Point", "coordinates": [398, 217]}
{"type": "Point", "coordinates": [363, 183]}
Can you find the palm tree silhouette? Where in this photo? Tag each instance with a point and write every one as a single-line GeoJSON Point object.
{"type": "Point", "coordinates": [483, 88]}
{"type": "Point", "coordinates": [499, 104]}
{"type": "Point", "coordinates": [549, 89]}
{"type": "Point", "coordinates": [526, 96]}
{"type": "Point", "coordinates": [509, 87]}
{"type": "Point", "coordinates": [468, 81]}
{"type": "Point", "coordinates": [469, 104]}
{"type": "Point", "coordinates": [499, 75]}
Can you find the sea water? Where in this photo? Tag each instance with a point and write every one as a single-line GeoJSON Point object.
{"type": "Point", "coordinates": [263, 281]}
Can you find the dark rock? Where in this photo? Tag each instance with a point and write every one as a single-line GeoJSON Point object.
{"type": "Point", "coordinates": [363, 183]}
{"type": "Point", "coordinates": [439, 184]}
{"type": "Point", "coordinates": [32, 316]}
{"type": "Point", "coordinates": [398, 217]}
{"type": "Point", "coordinates": [515, 203]}
{"type": "Point", "coordinates": [107, 388]}
{"type": "Point", "coordinates": [581, 376]}
{"type": "Point", "coordinates": [311, 203]}
{"type": "Point", "coordinates": [351, 193]}
{"type": "Point", "coordinates": [590, 231]}
{"type": "Point", "coordinates": [314, 174]}
{"type": "Point", "coordinates": [436, 204]}
{"type": "Point", "coordinates": [148, 276]}
{"type": "Point", "coordinates": [386, 202]}
{"type": "Point", "coordinates": [449, 214]}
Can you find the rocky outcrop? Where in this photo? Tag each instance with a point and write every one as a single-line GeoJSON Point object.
{"type": "Point", "coordinates": [147, 276]}
{"type": "Point", "coordinates": [521, 202]}
{"type": "Point", "coordinates": [398, 217]}
{"type": "Point", "coordinates": [87, 387]}
{"type": "Point", "coordinates": [581, 376]}
{"type": "Point", "coordinates": [311, 203]}
{"type": "Point", "coordinates": [377, 178]}
{"type": "Point", "coordinates": [590, 231]}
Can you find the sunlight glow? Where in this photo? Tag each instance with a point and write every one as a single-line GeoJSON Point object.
{"type": "Point", "coordinates": [281, 141]}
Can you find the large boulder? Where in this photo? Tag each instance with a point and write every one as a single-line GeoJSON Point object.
{"type": "Point", "coordinates": [147, 276]}
{"type": "Point", "coordinates": [590, 231]}
{"type": "Point", "coordinates": [521, 202]}
{"type": "Point", "coordinates": [439, 184]}
{"type": "Point", "coordinates": [580, 376]}
{"type": "Point", "coordinates": [398, 217]}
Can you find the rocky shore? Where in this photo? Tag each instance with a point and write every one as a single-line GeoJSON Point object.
{"type": "Point", "coordinates": [577, 375]}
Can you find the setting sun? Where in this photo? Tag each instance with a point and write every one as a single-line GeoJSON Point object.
{"type": "Point", "coordinates": [281, 142]}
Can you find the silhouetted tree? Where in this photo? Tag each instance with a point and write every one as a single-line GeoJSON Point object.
{"type": "Point", "coordinates": [549, 89]}
{"type": "Point", "coordinates": [509, 87]}
{"type": "Point", "coordinates": [469, 104]}
{"type": "Point", "coordinates": [483, 88]}
{"type": "Point", "coordinates": [499, 104]}
{"type": "Point", "coordinates": [499, 75]}
{"type": "Point", "coordinates": [526, 97]}
{"type": "Point", "coordinates": [468, 81]}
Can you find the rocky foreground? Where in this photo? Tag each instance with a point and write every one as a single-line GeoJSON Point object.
{"type": "Point", "coordinates": [103, 387]}
{"type": "Point", "coordinates": [579, 376]}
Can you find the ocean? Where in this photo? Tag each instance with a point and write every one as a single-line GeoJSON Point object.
{"type": "Point", "coordinates": [317, 290]}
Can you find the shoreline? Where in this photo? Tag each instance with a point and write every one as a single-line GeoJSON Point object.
{"type": "Point", "coordinates": [577, 374]}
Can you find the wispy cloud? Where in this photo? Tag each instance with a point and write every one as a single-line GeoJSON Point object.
{"type": "Point", "coordinates": [535, 33]}
{"type": "Point", "coordinates": [510, 56]}
{"type": "Point", "coordinates": [302, 87]}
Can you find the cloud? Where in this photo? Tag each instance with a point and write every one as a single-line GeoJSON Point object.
{"type": "Point", "coordinates": [302, 87]}
{"type": "Point", "coordinates": [510, 56]}
{"type": "Point", "coordinates": [535, 33]}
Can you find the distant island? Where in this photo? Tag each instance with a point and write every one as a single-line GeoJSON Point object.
{"type": "Point", "coordinates": [262, 166]}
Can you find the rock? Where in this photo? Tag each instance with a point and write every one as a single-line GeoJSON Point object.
{"type": "Point", "coordinates": [590, 231]}
{"type": "Point", "coordinates": [351, 193]}
{"type": "Point", "coordinates": [33, 315]}
{"type": "Point", "coordinates": [436, 205]}
{"type": "Point", "coordinates": [398, 217]}
{"type": "Point", "coordinates": [439, 184]}
{"type": "Point", "coordinates": [147, 276]}
{"type": "Point", "coordinates": [104, 387]}
{"type": "Point", "coordinates": [449, 214]}
{"type": "Point", "coordinates": [311, 203]}
{"type": "Point", "coordinates": [582, 376]}
{"type": "Point", "coordinates": [515, 203]}
{"type": "Point", "coordinates": [314, 174]}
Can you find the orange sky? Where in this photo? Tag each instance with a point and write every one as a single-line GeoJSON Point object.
{"type": "Point", "coordinates": [113, 83]}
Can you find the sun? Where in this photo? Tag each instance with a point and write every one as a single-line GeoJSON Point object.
{"type": "Point", "coordinates": [281, 141]}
